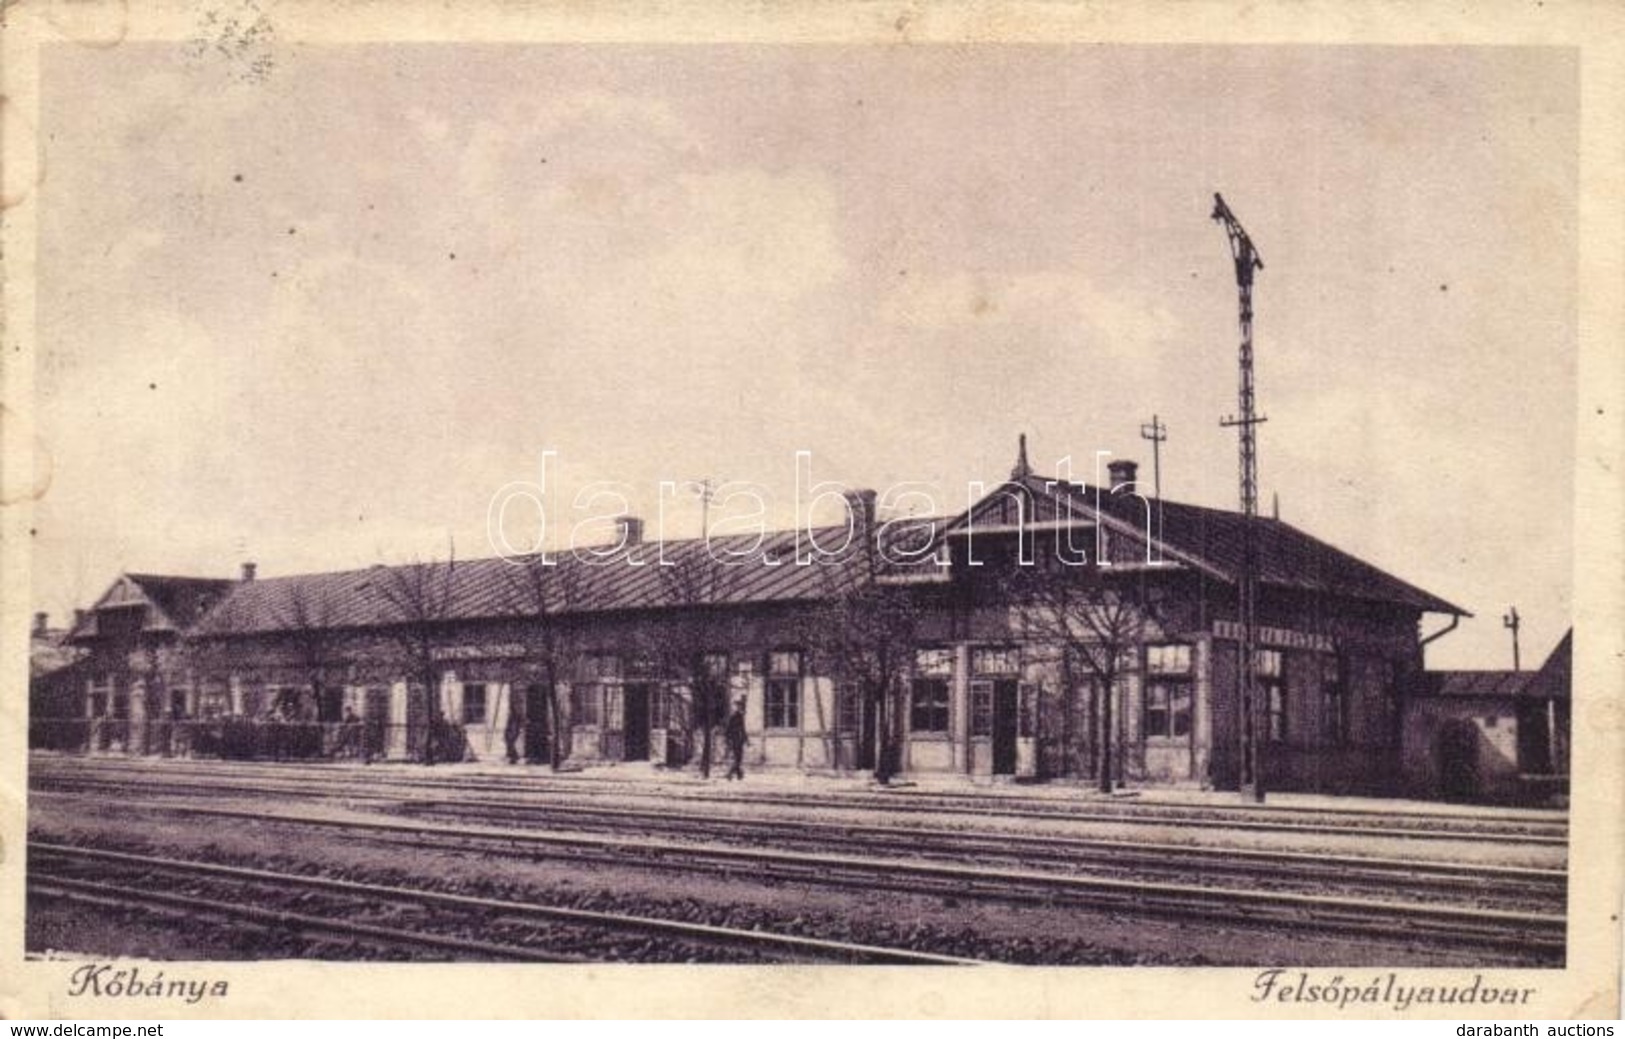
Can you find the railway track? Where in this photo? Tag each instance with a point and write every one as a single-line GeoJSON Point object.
{"type": "Point", "coordinates": [1533, 933]}
{"type": "Point", "coordinates": [1486, 885]}
{"type": "Point", "coordinates": [1520, 828]}
{"type": "Point", "coordinates": [1516, 886]}
{"type": "Point", "coordinates": [417, 922]}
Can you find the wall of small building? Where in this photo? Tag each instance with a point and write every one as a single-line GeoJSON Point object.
{"type": "Point", "coordinates": [1462, 749]}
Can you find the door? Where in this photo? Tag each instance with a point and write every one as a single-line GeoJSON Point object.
{"type": "Point", "coordinates": [538, 724]}
{"type": "Point", "coordinates": [868, 730]}
{"type": "Point", "coordinates": [1224, 747]}
{"type": "Point", "coordinates": [1534, 738]}
{"type": "Point", "coordinates": [636, 720]}
{"type": "Point", "coordinates": [1458, 761]}
{"type": "Point", "coordinates": [375, 721]}
{"type": "Point", "coordinates": [1005, 708]}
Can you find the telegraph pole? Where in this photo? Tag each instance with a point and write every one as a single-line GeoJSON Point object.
{"type": "Point", "coordinates": [1247, 261]}
{"type": "Point", "coordinates": [706, 492]}
{"type": "Point", "coordinates": [1156, 432]}
{"type": "Point", "coordinates": [1512, 622]}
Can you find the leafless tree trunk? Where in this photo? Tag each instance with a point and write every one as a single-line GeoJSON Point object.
{"type": "Point", "coordinates": [863, 630]}
{"type": "Point", "coordinates": [695, 586]}
{"type": "Point", "coordinates": [543, 594]}
{"type": "Point", "coordinates": [419, 599]}
{"type": "Point", "coordinates": [1089, 616]}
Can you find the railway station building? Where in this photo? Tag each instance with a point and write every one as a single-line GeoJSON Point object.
{"type": "Point", "coordinates": [1050, 631]}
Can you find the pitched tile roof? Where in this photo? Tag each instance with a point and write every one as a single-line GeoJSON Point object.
{"type": "Point", "coordinates": [1286, 556]}
{"type": "Point", "coordinates": [496, 588]}
{"type": "Point", "coordinates": [1479, 683]}
{"type": "Point", "coordinates": [1552, 681]}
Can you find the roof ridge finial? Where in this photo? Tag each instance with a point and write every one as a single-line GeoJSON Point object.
{"type": "Point", "coordinates": [1021, 469]}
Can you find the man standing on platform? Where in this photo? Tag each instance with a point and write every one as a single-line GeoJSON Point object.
{"type": "Point", "coordinates": [734, 735]}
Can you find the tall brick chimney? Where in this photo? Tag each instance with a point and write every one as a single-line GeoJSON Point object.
{"type": "Point", "coordinates": [42, 623]}
{"type": "Point", "coordinates": [1123, 472]}
{"type": "Point", "coordinates": [860, 508]}
{"type": "Point", "coordinates": [248, 570]}
{"type": "Point", "coordinates": [631, 530]}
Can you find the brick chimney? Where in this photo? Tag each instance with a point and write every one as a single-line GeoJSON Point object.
{"type": "Point", "coordinates": [860, 509]}
{"type": "Point", "coordinates": [1123, 472]}
{"type": "Point", "coordinates": [631, 530]}
{"type": "Point", "coordinates": [42, 623]}
{"type": "Point", "coordinates": [78, 618]}
{"type": "Point", "coordinates": [248, 570]}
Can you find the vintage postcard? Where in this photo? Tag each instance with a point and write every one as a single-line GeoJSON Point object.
{"type": "Point", "coordinates": [826, 509]}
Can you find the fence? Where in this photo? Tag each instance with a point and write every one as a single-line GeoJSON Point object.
{"type": "Point", "coordinates": [244, 739]}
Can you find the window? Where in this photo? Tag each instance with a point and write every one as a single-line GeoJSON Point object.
{"type": "Point", "coordinates": [584, 704]}
{"type": "Point", "coordinates": [601, 667]}
{"type": "Point", "coordinates": [784, 689]}
{"type": "Point", "coordinates": [1168, 691]}
{"type": "Point", "coordinates": [1168, 660]}
{"type": "Point", "coordinates": [474, 705]}
{"type": "Point", "coordinates": [1337, 701]}
{"type": "Point", "coordinates": [1168, 709]}
{"type": "Point", "coordinates": [1272, 683]}
{"type": "Point", "coordinates": [614, 708]}
{"type": "Point", "coordinates": [849, 709]}
{"type": "Point", "coordinates": [929, 705]}
{"type": "Point", "coordinates": [929, 693]}
{"type": "Point", "coordinates": [981, 708]}
{"type": "Point", "coordinates": [995, 660]}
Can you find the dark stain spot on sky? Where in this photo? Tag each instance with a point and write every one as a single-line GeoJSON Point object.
{"type": "Point", "coordinates": [1444, 287]}
{"type": "Point", "coordinates": [292, 230]}
{"type": "Point", "coordinates": [152, 386]}
{"type": "Point", "coordinates": [238, 178]}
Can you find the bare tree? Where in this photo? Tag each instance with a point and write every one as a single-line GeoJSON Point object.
{"type": "Point", "coordinates": [419, 599]}
{"type": "Point", "coordinates": [863, 632]}
{"type": "Point", "coordinates": [698, 627]}
{"type": "Point", "coordinates": [1092, 621]}
{"type": "Point", "coordinates": [543, 594]}
{"type": "Point", "coordinates": [308, 616]}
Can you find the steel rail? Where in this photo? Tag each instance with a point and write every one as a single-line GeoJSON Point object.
{"type": "Point", "coordinates": [1422, 831]}
{"type": "Point", "coordinates": [1346, 871]}
{"type": "Point", "coordinates": [826, 949]}
{"type": "Point", "coordinates": [1416, 920]}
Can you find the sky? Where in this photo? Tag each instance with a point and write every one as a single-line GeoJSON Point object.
{"type": "Point", "coordinates": [319, 315]}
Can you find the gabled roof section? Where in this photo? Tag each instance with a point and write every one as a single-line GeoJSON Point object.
{"type": "Point", "coordinates": [172, 603]}
{"type": "Point", "coordinates": [1211, 540]}
{"type": "Point", "coordinates": [1555, 679]}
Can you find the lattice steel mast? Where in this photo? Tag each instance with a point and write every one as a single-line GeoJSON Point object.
{"type": "Point", "coordinates": [1253, 735]}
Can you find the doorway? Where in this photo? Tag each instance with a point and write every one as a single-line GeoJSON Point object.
{"type": "Point", "coordinates": [1005, 703]}
{"type": "Point", "coordinates": [635, 737]}
{"type": "Point", "coordinates": [1458, 761]}
{"type": "Point", "coordinates": [375, 721]}
{"type": "Point", "coordinates": [538, 724]}
{"type": "Point", "coordinates": [868, 731]}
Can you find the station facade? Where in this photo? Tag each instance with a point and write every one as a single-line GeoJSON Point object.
{"type": "Point", "coordinates": [1051, 631]}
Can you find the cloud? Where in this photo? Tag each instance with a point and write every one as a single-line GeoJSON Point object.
{"type": "Point", "coordinates": [1045, 298]}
